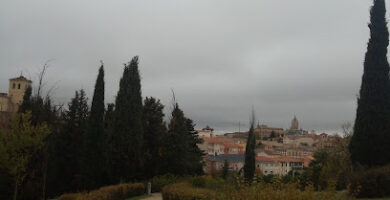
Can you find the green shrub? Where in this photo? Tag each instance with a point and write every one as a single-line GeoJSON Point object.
{"type": "Point", "coordinates": [199, 181]}
{"type": "Point", "coordinates": [114, 192]}
{"type": "Point", "coordinates": [158, 182]}
{"type": "Point", "coordinates": [369, 183]}
{"type": "Point", "coordinates": [262, 191]}
{"type": "Point", "coordinates": [208, 182]}
{"type": "Point", "coordinates": [70, 196]}
{"type": "Point", "coordinates": [184, 191]}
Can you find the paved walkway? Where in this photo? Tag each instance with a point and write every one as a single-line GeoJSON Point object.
{"type": "Point", "coordinates": [155, 196]}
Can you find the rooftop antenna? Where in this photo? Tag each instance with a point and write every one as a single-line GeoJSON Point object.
{"type": "Point", "coordinates": [239, 127]}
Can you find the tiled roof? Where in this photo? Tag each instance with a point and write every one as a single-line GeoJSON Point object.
{"type": "Point", "coordinates": [264, 159]}
{"type": "Point", "coordinates": [227, 157]}
{"type": "Point", "coordinates": [20, 78]}
{"type": "Point", "coordinates": [229, 145]}
{"type": "Point", "coordinates": [289, 159]}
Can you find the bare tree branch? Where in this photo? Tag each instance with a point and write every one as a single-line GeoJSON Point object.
{"type": "Point", "coordinates": [41, 76]}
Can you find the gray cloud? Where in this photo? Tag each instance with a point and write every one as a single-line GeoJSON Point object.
{"type": "Point", "coordinates": [221, 57]}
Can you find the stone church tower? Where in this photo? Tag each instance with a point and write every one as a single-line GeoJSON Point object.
{"type": "Point", "coordinates": [294, 124]}
{"type": "Point", "coordinates": [17, 86]}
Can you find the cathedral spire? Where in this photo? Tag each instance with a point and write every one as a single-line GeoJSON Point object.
{"type": "Point", "coordinates": [294, 124]}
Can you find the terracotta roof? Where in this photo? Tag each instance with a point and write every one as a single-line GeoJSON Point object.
{"type": "Point", "coordinates": [264, 159]}
{"type": "Point", "coordinates": [20, 78]}
{"type": "Point", "coordinates": [289, 159]}
{"type": "Point", "coordinates": [229, 145]}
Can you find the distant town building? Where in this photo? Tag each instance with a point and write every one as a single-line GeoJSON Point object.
{"type": "Point", "coordinates": [278, 151]}
{"type": "Point", "coordinates": [10, 102]}
{"type": "Point", "coordinates": [263, 131]}
{"type": "Point", "coordinates": [216, 163]}
{"type": "Point", "coordinates": [206, 132]}
{"type": "Point", "coordinates": [280, 165]}
{"type": "Point", "coordinates": [294, 124]}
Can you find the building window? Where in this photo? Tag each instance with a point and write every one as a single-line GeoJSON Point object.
{"type": "Point", "coordinates": [13, 86]}
{"type": "Point", "coordinates": [19, 86]}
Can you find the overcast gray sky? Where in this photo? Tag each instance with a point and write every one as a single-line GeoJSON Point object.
{"type": "Point", "coordinates": [285, 57]}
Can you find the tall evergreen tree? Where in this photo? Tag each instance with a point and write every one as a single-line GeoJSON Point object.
{"type": "Point", "coordinates": [371, 140]}
{"type": "Point", "coordinates": [127, 137]}
{"type": "Point", "coordinates": [109, 117]}
{"type": "Point", "coordinates": [195, 152]}
{"type": "Point", "coordinates": [181, 153]}
{"type": "Point", "coordinates": [225, 169]}
{"type": "Point", "coordinates": [154, 130]}
{"type": "Point", "coordinates": [26, 104]}
{"type": "Point", "coordinates": [250, 156]}
{"type": "Point", "coordinates": [65, 148]}
{"type": "Point", "coordinates": [94, 163]}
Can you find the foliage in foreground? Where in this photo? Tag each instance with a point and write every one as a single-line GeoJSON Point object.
{"type": "Point", "coordinates": [158, 182]}
{"type": "Point", "coordinates": [115, 192]}
{"type": "Point", "coordinates": [186, 191]}
{"type": "Point", "coordinates": [370, 143]}
{"type": "Point", "coordinates": [374, 182]}
{"type": "Point", "coordinates": [19, 144]}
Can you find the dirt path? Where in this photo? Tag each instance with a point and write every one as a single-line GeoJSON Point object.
{"type": "Point", "coordinates": [155, 196]}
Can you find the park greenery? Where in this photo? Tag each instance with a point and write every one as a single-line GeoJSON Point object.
{"type": "Point", "coordinates": [49, 150]}
{"type": "Point", "coordinates": [109, 151]}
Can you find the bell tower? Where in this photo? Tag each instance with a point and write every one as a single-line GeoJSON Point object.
{"type": "Point", "coordinates": [17, 88]}
{"type": "Point", "coordinates": [294, 124]}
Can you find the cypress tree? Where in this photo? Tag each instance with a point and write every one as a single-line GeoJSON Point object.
{"type": "Point", "coordinates": [225, 169]}
{"type": "Point", "coordinates": [109, 118]}
{"type": "Point", "coordinates": [127, 138]}
{"type": "Point", "coordinates": [370, 143]}
{"type": "Point", "coordinates": [250, 156]}
{"type": "Point", "coordinates": [94, 164]}
{"type": "Point", "coordinates": [154, 130]}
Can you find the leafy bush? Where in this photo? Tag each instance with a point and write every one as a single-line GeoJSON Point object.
{"type": "Point", "coordinates": [208, 182]}
{"type": "Point", "coordinates": [268, 178]}
{"type": "Point", "coordinates": [115, 192]}
{"type": "Point", "coordinates": [184, 191]}
{"type": "Point", "coordinates": [199, 181]}
{"type": "Point", "coordinates": [158, 182]}
{"type": "Point", "coordinates": [262, 191]}
{"type": "Point", "coordinates": [70, 196]}
{"type": "Point", "coordinates": [368, 183]}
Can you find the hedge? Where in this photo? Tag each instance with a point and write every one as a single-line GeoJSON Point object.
{"type": "Point", "coordinates": [158, 182]}
{"type": "Point", "coordinates": [184, 191]}
{"type": "Point", "coordinates": [114, 192]}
